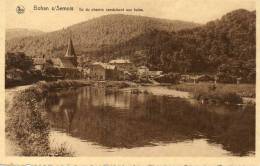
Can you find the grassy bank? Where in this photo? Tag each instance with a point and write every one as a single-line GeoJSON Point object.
{"type": "Point", "coordinates": [229, 93]}
{"type": "Point", "coordinates": [28, 125]}
{"type": "Point", "coordinates": [114, 84]}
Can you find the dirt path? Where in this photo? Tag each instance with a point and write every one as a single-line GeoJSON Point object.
{"type": "Point", "coordinates": [11, 149]}
{"type": "Point", "coordinates": [10, 92]}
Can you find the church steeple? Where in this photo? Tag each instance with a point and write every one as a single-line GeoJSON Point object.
{"type": "Point", "coordinates": [70, 50]}
{"type": "Point", "coordinates": [70, 56]}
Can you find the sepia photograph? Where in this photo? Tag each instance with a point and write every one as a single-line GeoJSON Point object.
{"type": "Point", "coordinates": [130, 79]}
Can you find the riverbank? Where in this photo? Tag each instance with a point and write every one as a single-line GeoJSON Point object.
{"type": "Point", "coordinates": [26, 123]}
{"type": "Point", "coordinates": [224, 93]}
{"type": "Point", "coordinates": [243, 90]}
{"type": "Point", "coordinates": [11, 148]}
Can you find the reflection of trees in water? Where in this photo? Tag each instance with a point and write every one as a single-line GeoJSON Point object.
{"type": "Point", "coordinates": [65, 109]}
{"type": "Point", "coordinates": [153, 119]}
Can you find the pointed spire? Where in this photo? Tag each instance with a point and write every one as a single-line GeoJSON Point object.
{"type": "Point", "coordinates": [70, 50]}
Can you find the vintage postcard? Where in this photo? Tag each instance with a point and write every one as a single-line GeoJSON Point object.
{"type": "Point", "coordinates": [133, 82]}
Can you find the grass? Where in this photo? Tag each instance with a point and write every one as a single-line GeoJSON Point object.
{"type": "Point", "coordinates": [28, 125]}
{"type": "Point", "coordinates": [61, 151]}
{"type": "Point", "coordinates": [114, 84]}
{"type": "Point", "coordinates": [243, 90]}
{"type": "Point", "coordinates": [224, 93]}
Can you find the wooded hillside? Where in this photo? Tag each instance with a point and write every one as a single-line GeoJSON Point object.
{"type": "Point", "coordinates": [94, 34]}
{"type": "Point", "coordinates": [225, 46]}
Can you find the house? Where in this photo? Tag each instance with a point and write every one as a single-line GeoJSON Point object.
{"type": "Point", "coordinates": [142, 71]}
{"type": "Point", "coordinates": [124, 75]}
{"type": "Point", "coordinates": [103, 71]}
{"type": "Point", "coordinates": [185, 78]}
{"type": "Point", "coordinates": [206, 78]}
{"type": "Point", "coordinates": [123, 64]}
{"type": "Point", "coordinates": [197, 78]}
{"type": "Point", "coordinates": [39, 63]}
{"type": "Point", "coordinates": [238, 80]}
{"type": "Point", "coordinates": [153, 74]}
{"type": "Point", "coordinates": [86, 73]}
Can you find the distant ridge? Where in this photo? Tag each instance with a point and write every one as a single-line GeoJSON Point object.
{"type": "Point", "coordinates": [107, 30]}
{"type": "Point", "coordinates": [21, 32]}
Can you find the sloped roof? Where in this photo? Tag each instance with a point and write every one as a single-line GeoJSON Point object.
{"type": "Point", "coordinates": [56, 61]}
{"type": "Point", "coordinates": [67, 63]}
{"type": "Point", "coordinates": [38, 61]}
{"type": "Point", "coordinates": [120, 61]}
{"type": "Point", "coordinates": [105, 65]}
{"type": "Point", "coordinates": [70, 50]}
{"type": "Point", "coordinates": [63, 62]}
{"type": "Point", "coordinates": [143, 67]}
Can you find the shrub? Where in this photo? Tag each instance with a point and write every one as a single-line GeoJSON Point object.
{"type": "Point", "coordinates": [218, 97]}
{"type": "Point", "coordinates": [169, 78]}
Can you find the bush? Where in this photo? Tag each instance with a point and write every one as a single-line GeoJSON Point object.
{"type": "Point", "coordinates": [232, 98]}
{"type": "Point", "coordinates": [19, 70]}
{"type": "Point", "coordinates": [218, 97]}
{"type": "Point", "coordinates": [169, 78]}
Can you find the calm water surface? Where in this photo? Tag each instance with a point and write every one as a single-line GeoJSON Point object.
{"type": "Point", "coordinates": [162, 122]}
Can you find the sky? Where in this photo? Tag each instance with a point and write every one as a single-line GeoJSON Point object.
{"type": "Point", "coordinates": [199, 11]}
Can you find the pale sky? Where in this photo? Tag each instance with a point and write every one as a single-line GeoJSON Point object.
{"type": "Point", "coordinates": [199, 11]}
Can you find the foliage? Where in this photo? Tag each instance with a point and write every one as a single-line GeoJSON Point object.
{"type": "Point", "coordinates": [225, 47]}
{"type": "Point", "coordinates": [18, 60]}
{"type": "Point", "coordinates": [230, 71]}
{"type": "Point", "coordinates": [19, 70]}
{"type": "Point", "coordinates": [169, 78]}
{"type": "Point", "coordinates": [93, 34]}
{"type": "Point", "coordinates": [218, 97]}
{"type": "Point", "coordinates": [21, 32]}
{"type": "Point", "coordinates": [243, 90]}
{"type": "Point", "coordinates": [28, 124]}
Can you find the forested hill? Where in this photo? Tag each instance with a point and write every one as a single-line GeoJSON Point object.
{"type": "Point", "coordinates": [21, 32]}
{"type": "Point", "coordinates": [94, 34]}
{"type": "Point", "coordinates": [226, 46]}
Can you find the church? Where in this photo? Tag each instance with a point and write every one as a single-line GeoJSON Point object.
{"type": "Point", "coordinates": [67, 65]}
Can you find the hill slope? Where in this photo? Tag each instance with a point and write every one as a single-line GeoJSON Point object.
{"type": "Point", "coordinates": [225, 46]}
{"type": "Point", "coordinates": [94, 34]}
{"type": "Point", "coordinates": [21, 32]}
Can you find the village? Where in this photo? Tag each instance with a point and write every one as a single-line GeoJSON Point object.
{"type": "Point", "coordinates": [66, 67]}
{"type": "Point", "coordinates": [117, 69]}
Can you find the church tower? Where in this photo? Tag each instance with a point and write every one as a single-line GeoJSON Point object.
{"type": "Point", "coordinates": [70, 53]}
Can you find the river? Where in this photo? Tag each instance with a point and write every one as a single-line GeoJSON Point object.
{"type": "Point", "coordinates": [94, 121]}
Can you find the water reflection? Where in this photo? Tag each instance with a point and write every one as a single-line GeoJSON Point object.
{"type": "Point", "coordinates": [117, 119]}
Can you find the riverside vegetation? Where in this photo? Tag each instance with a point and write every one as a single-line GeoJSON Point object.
{"type": "Point", "coordinates": [223, 93]}
{"type": "Point", "coordinates": [28, 125]}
